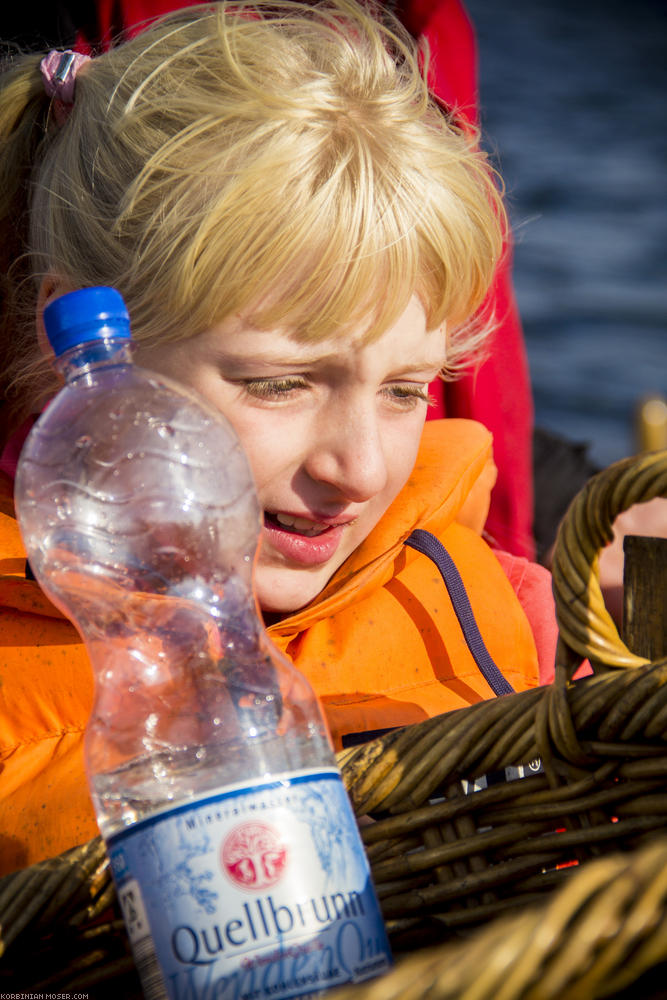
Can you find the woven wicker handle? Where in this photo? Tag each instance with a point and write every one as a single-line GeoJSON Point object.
{"type": "Point", "coordinates": [585, 625]}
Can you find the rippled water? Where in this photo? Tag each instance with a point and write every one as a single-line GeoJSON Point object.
{"type": "Point", "coordinates": [574, 100]}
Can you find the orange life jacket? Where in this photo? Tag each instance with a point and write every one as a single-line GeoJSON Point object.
{"type": "Point", "coordinates": [381, 645]}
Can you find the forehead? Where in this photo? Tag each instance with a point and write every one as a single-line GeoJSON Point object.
{"type": "Point", "coordinates": [407, 342]}
{"type": "Point", "coordinates": [406, 347]}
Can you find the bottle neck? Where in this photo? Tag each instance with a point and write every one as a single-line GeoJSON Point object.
{"type": "Point", "coordinates": [92, 355]}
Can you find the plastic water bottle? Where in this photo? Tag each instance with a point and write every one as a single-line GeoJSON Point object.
{"type": "Point", "coordinates": [233, 845]}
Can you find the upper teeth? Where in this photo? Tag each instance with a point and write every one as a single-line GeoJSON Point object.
{"type": "Point", "coordinates": [300, 523]}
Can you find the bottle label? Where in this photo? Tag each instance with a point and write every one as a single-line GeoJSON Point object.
{"type": "Point", "coordinates": [253, 892]}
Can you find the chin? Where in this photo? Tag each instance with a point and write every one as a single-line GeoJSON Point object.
{"type": "Point", "coordinates": [283, 595]}
{"type": "Point", "coordinates": [282, 606]}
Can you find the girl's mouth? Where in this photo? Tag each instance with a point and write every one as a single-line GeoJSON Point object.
{"type": "Point", "coordinates": [301, 540]}
{"type": "Point", "coordinates": [299, 525]}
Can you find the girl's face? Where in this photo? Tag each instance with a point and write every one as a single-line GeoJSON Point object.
{"type": "Point", "coordinates": [331, 431]}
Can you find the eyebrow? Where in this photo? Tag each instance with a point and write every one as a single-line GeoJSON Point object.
{"type": "Point", "coordinates": [421, 366]}
{"type": "Point", "coordinates": [234, 363]}
{"type": "Point", "coordinates": [280, 360]}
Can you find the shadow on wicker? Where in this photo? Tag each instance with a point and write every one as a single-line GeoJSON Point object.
{"type": "Point", "coordinates": [521, 838]}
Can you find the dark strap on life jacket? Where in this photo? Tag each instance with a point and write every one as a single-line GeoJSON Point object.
{"type": "Point", "coordinates": [429, 545]}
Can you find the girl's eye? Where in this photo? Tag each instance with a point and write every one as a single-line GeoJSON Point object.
{"type": "Point", "coordinates": [273, 388]}
{"type": "Point", "coordinates": [408, 394]}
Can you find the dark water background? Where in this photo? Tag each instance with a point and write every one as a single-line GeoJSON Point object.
{"type": "Point", "coordinates": [574, 101]}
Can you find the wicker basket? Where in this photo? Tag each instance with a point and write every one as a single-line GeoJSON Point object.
{"type": "Point", "coordinates": [520, 837]}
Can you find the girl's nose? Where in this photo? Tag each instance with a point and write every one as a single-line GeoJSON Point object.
{"type": "Point", "coordinates": [347, 452]}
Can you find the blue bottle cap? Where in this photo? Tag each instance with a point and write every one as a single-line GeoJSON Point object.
{"type": "Point", "coordinates": [87, 314]}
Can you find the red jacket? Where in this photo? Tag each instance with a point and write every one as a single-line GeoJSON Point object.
{"type": "Point", "coordinates": [498, 394]}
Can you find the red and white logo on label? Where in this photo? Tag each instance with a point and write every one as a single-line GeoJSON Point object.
{"type": "Point", "coordinates": [254, 856]}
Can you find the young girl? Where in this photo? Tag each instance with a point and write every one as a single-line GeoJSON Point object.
{"type": "Point", "coordinates": [498, 391]}
{"type": "Point", "coordinates": [302, 236]}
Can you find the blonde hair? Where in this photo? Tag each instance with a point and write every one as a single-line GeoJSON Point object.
{"type": "Point", "coordinates": [281, 159]}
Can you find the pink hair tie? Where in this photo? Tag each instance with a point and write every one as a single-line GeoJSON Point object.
{"type": "Point", "coordinates": [59, 71]}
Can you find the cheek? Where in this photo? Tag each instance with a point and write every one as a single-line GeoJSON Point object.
{"type": "Point", "coordinates": [402, 452]}
{"type": "Point", "coordinates": [266, 445]}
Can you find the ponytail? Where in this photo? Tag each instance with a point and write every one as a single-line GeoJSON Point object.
{"type": "Point", "coordinates": [24, 118]}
